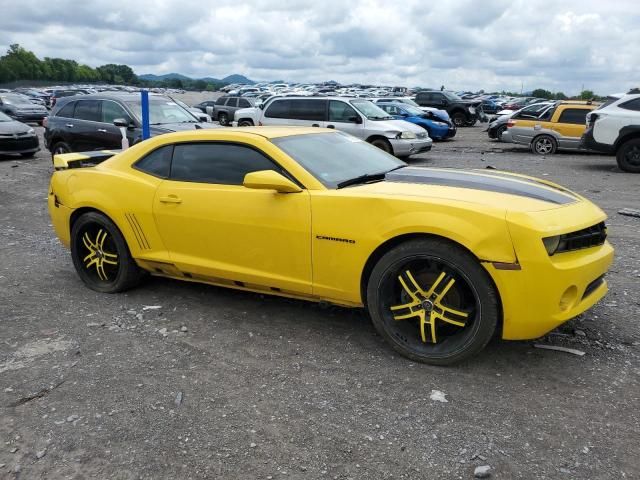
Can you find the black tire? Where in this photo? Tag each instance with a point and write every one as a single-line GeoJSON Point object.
{"type": "Point", "coordinates": [455, 281]}
{"type": "Point", "coordinates": [382, 144]}
{"type": "Point", "coordinates": [459, 119]}
{"type": "Point", "coordinates": [101, 256]}
{"type": "Point", "coordinates": [544, 145]}
{"type": "Point", "coordinates": [28, 155]}
{"type": "Point", "coordinates": [499, 131]}
{"type": "Point", "coordinates": [59, 148]}
{"type": "Point", "coordinates": [628, 156]}
{"type": "Point", "coordinates": [245, 123]}
{"type": "Point", "coordinates": [223, 119]}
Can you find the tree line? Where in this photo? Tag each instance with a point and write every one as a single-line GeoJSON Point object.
{"type": "Point", "coordinates": [21, 64]}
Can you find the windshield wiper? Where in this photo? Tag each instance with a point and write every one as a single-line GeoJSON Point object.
{"type": "Point", "coordinates": [388, 117]}
{"type": "Point", "coordinates": [367, 178]}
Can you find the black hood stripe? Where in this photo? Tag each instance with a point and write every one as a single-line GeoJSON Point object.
{"type": "Point", "coordinates": [499, 183]}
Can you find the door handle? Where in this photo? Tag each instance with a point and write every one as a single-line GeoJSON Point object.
{"type": "Point", "coordinates": [315, 125]}
{"type": "Point", "coordinates": [331, 126]}
{"type": "Point", "coordinates": [102, 130]}
{"type": "Point", "coordinates": [70, 125]}
{"type": "Point", "coordinates": [170, 199]}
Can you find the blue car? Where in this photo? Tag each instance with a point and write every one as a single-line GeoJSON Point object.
{"type": "Point", "coordinates": [437, 123]}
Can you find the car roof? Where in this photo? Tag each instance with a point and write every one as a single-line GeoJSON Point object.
{"type": "Point", "coordinates": [265, 132]}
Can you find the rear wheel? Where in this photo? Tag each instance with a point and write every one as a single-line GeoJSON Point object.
{"type": "Point", "coordinates": [59, 148]}
{"type": "Point", "coordinates": [223, 119]}
{"type": "Point", "coordinates": [101, 256]}
{"type": "Point", "coordinates": [459, 119]}
{"type": "Point", "coordinates": [28, 155]}
{"type": "Point", "coordinates": [382, 144]}
{"type": "Point", "coordinates": [432, 301]}
{"type": "Point", "coordinates": [628, 156]}
{"type": "Point", "coordinates": [544, 145]}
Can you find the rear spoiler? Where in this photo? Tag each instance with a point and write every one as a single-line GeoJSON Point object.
{"type": "Point", "coordinates": [64, 161]}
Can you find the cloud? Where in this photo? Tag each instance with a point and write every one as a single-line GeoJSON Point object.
{"type": "Point", "coordinates": [494, 44]}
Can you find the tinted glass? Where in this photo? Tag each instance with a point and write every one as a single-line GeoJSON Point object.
{"type": "Point", "coordinates": [233, 102]}
{"type": "Point", "coordinates": [111, 111]}
{"type": "Point", "coordinates": [335, 157]}
{"type": "Point", "coordinates": [67, 110]}
{"type": "Point", "coordinates": [221, 163]}
{"type": "Point", "coordinates": [341, 112]}
{"type": "Point", "coordinates": [574, 115]}
{"type": "Point", "coordinates": [157, 163]}
{"type": "Point", "coordinates": [279, 109]}
{"type": "Point", "coordinates": [88, 110]}
{"type": "Point", "coordinates": [221, 101]}
{"type": "Point", "coordinates": [631, 105]}
{"type": "Point", "coordinates": [244, 103]}
{"type": "Point", "coordinates": [308, 109]}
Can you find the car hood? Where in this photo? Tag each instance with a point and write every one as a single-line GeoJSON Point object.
{"type": "Point", "coordinates": [397, 125]}
{"type": "Point", "coordinates": [179, 127]}
{"type": "Point", "coordinates": [492, 189]}
{"type": "Point", "coordinates": [13, 127]}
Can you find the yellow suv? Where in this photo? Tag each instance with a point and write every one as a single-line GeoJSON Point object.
{"type": "Point", "coordinates": [560, 126]}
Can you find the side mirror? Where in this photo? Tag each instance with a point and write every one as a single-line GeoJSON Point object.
{"type": "Point", "coordinates": [404, 114]}
{"type": "Point", "coordinates": [270, 180]}
{"type": "Point", "coordinates": [261, 106]}
{"type": "Point", "coordinates": [122, 122]}
{"type": "Point", "coordinates": [355, 119]}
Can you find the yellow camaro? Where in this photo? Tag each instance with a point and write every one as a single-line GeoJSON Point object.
{"type": "Point", "coordinates": [442, 259]}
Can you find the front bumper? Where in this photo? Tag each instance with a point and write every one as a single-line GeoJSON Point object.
{"type": "Point", "coordinates": [30, 116]}
{"type": "Point", "coordinates": [550, 290]}
{"type": "Point", "coordinates": [405, 147]}
{"type": "Point", "coordinates": [21, 144]}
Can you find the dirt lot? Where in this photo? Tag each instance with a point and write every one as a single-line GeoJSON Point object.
{"type": "Point", "coordinates": [243, 386]}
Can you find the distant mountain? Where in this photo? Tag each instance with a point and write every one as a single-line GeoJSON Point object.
{"type": "Point", "coordinates": [235, 78]}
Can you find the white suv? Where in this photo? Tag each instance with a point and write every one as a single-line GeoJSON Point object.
{"type": "Point", "coordinates": [614, 128]}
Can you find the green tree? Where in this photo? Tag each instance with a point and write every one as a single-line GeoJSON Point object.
{"type": "Point", "coordinates": [199, 85]}
{"type": "Point", "coordinates": [541, 93]}
{"type": "Point", "coordinates": [587, 95]}
{"type": "Point", "coordinates": [560, 96]}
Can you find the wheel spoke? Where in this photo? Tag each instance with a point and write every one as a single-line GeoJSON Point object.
{"type": "Point", "coordinates": [88, 257]}
{"type": "Point", "coordinates": [101, 272]}
{"type": "Point", "coordinates": [87, 241]}
{"type": "Point", "coordinates": [100, 238]}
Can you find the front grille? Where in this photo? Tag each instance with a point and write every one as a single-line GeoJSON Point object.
{"type": "Point", "coordinates": [15, 145]}
{"type": "Point", "coordinates": [421, 135]}
{"type": "Point", "coordinates": [585, 238]}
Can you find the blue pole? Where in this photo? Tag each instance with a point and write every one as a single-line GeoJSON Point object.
{"type": "Point", "coordinates": [145, 114]}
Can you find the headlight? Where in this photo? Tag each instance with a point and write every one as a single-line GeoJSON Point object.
{"type": "Point", "coordinates": [440, 124]}
{"type": "Point", "coordinates": [406, 135]}
{"type": "Point", "coordinates": [31, 131]}
{"type": "Point", "coordinates": [551, 244]}
{"type": "Point", "coordinates": [472, 110]}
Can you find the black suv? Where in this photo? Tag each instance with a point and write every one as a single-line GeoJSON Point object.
{"type": "Point", "coordinates": [92, 122]}
{"type": "Point", "coordinates": [464, 113]}
{"type": "Point", "coordinates": [225, 108]}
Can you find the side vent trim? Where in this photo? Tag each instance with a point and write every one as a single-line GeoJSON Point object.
{"type": "Point", "coordinates": [143, 243]}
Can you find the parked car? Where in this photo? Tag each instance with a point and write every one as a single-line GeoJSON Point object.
{"type": "Point", "coordinates": [196, 112]}
{"type": "Point", "coordinates": [443, 259]}
{"type": "Point", "coordinates": [463, 113]}
{"type": "Point", "coordinates": [17, 137]}
{"type": "Point", "coordinates": [436, 127]}
{"type": "Point", "coordinates": [57, 94]}
{"type": "Point", "coordinates": [355, 116]}
{"type": "Point", "coordinates": [499, 125]}
{"type": "Point", "coordinates": [614, 128]}
{"type": "Point", "coordinates": [559, 127]}
{"type": "Point", "coordinates": [225, 107]}
{"type": "Point", "coordinates": [20, 108]}
{"type": "Point", "coordinates": [92, 122]}
{"type": "Point", "coordinates": [490, 106]}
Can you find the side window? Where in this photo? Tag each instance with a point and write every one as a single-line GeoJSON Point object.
{"type": "Point", "coordinates": [156, 163]}
{"type": "Point", "coordinates": [279, 109]}
{"type": "Point", "coordinates": [341, 112]}
{"type": "Point", "coordinates": [111, 111]}
{"type": "Point", "coordinates": [221, 163]}
{"type": "Point", "coordinates": [308, 109]}
{"type": "Point", "coordinates": [631, 105]}
{"type": "Point", "coordinates": [67, 110]}
{"type": "Point", "coordinates": [574, 115]}
{"type": "Point", "coordinates": [88, 110]}
{"type": "Point", "coordinates": [232, 102]}
{"type": "Point", "coordinates": [244, 103]}
{"type": "Point", "coordinates": [221, 100]}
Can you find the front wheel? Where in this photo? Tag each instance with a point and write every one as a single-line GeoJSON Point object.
{"type": "Point", "coordinates": [500, 130]}
{"type": "Point", "coordinates": [432, 301]}
{"type": "Point", "coordinates": [28, 155]}
{"type": "Point", "coordinates": [245, 123]}
{"type": "Point", "coordinates": [459, 119]}
{"type": "Point", "coordinates": [628, 156]}
{"type": "Point", "coordinates": [100, 255]}
{"type": "Point", "coordinates": [223, 119]}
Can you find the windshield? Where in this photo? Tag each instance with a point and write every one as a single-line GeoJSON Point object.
{"type": "Point", "coordinates": [452, 96]}
{"type": "Point", "coordinates": [5, 118]}
{"type": "Point", "coordinates": [335, 157]}
{"type": "Point", "coordinates": [14, 99]}
{"type": "Point", "coordinates": [370, 110]}
{"type": "Point", "coordinates": [408, 101]}
{"type": "Point", "coordinates": [413, 110]}
{"type": "Point", "coordinates": [162, 111]}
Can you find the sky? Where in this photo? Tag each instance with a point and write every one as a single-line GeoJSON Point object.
{"type": "Point", "coordinates": [493, 45]}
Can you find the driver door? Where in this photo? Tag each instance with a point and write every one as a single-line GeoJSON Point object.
{"type": "Point", "coordinates": [215, 228]}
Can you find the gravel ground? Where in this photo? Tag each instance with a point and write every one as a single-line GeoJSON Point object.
{"type": "Point", "coordinates": [231, 385]}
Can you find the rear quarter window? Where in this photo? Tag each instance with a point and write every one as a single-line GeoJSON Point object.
{"type": "Point", "coordinates": [631, 105]}
{"type": "Point", "coordinates": [576, 116]}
